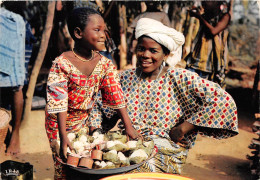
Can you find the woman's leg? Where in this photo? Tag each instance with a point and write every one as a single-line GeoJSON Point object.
{"type": "Point", "coordinates": [17, 111]}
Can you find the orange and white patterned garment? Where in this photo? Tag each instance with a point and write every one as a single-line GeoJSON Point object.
{"type": "Point", "coordinates": [70, 90]}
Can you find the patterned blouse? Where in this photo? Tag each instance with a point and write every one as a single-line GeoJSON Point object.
{"type": "Point", "coordinates": [155, 106]}
{"type": "Point", "coordinates": [70, 90]}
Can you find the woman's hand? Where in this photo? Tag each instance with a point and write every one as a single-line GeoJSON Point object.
{"type": "Point", "coordinates": [130, 131]}
{"type": "Point", "coordinates": [64, 143]}
{"type": "Point", "coordinates": [177, 133]}
{"type": "Point", "coordinates": [64, 140]}
{"type": "Point", "coordinates": [194, 12]}
{"type": "Point", "coordinates": [133, 134]}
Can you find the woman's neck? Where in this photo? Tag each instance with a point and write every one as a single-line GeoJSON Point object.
{"type": "Point", "coordinates": [85, 53]}
{"type": "Point", "coordinates": [153, 75]}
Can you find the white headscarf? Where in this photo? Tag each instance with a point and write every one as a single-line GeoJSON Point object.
{"type": "Point", "coordinates": [164, 35]}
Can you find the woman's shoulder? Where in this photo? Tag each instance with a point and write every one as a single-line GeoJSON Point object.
{"type": "Point", "coordinates": [226, 16]}
{"type": "Point", "coordinates": [103, 57]}
{"type": "Point", "coordinates": [177, 71]}
{"type": "Point", "coordinates": [181, 73]}
{"type": "Point", "coordinates": [127, 72]}
{"type": "Point", "coordinates": [61, 61]}
{"type": "Point", "coordinates": [59, 58]}
{"type": "Point", "coordinates": [105, 61]}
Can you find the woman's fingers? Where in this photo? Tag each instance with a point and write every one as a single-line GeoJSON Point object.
{"type": "Point", "coordinates": [182, 143]}
{"type": "Point", "coordinates": [138, 136]}
{"type": "Point", "coordinates": [65, 152]}
{"type": "Point", "coordinates": [141, 137]}
{"type": "Point", "coordinates": [70, 146]}
{"type": "Point", "coordinates": [63, 156]}
{"type": "Point", "coordinates": [74, 151]}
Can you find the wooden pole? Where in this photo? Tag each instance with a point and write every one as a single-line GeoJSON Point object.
{"type": "Point", "coordinates": [123, 44]}
{"type": "Point", "coordinates": [38, 62]}
{"type": "Point", "coordinates": [109, 9]}
{"type": "Point", "coordinates": [179, 25]}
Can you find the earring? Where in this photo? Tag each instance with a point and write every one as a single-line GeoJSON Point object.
{"type": "Point", "coordinates": [164, 63]}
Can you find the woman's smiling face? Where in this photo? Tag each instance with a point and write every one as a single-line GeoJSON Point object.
{"type": "Point", "coordinates": [93, 35]}
{"type": "Point", "coordinates": [149, 54]}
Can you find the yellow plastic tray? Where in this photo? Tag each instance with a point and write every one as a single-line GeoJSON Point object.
{"type": "Point", "coordinates": [146, 176]}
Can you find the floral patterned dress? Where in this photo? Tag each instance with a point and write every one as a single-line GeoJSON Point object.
{"type": "Point", "coordinates": [70, 90]}
{"type": "Point", "coordinates": [155, 106]}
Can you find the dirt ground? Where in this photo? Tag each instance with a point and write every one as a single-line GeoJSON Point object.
{"type": "Point", "coordinates": [208, 159]}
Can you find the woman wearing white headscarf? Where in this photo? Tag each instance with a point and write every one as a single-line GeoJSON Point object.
{"type": "Point", "coordinates": [168, 104]}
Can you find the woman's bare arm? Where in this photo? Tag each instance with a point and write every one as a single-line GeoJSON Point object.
{"type": "Point", "coordinates": [214, 30]}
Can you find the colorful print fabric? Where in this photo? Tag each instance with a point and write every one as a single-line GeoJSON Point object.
{"type": "Point", "coordinates": [70, 90]}
{"type": "Point", "coordinates": [167, 160]}
{"type": "Point", "coordinates": [155, 106]}
{"type": "Point", "coordinates": [210, 53]}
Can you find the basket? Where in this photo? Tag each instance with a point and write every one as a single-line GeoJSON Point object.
{"type": "Point", "coordinates": [5, 117]}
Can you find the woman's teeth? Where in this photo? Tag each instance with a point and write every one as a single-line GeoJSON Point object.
{"type": "Point", "coordinates": [146, 62]}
